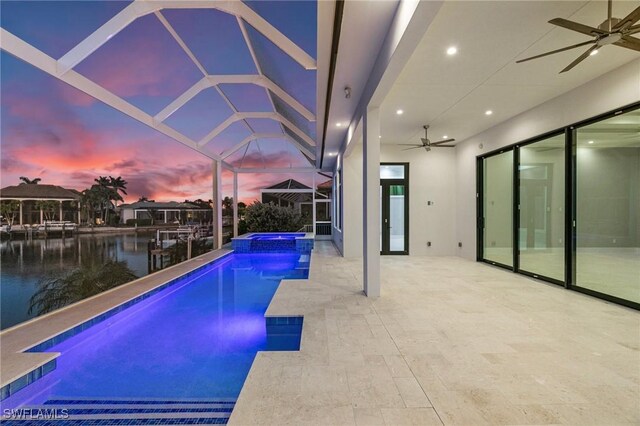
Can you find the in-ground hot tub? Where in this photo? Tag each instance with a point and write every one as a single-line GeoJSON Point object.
{"type": "Point", "coordinates": [261, 242]}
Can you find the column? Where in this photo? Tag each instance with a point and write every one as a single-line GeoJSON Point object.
{"type": "Point", "coordinates": [21, 212]}
{"type": "Point", "coordinates": [41, 216]}
{"type": "Point", "coordinates": [235, 204]}
{"type": "Point", "coordinates": [60, 215]}
{"type": "Point", "coordinates": [216, 167]}
{"type": "Point", "coordinates": [371, 202]}
{"type": "Point", "coordinates": [165, 216]}
{"type": "Point", "coordinates": [313, 204]}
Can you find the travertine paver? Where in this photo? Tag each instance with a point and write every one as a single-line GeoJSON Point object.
{"type": "Point", "coordinates": [450, 341]}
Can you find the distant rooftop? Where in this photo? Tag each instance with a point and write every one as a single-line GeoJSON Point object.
{"type": "Point", "coordinates": [288, 184]}
{"type": "Point", "coordinates": [38, 192]}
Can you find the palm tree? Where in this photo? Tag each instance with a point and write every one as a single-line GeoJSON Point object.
{"type": "Point", "coordinates": [26, 180]}
{"type": "Point", "coordinates": [108, 193]}
{"type": "Point", "coordinates": [91, 199]}
{"type": "Point", "coordinates": [118, 184]}
{"type": "Point", "coordinates": [54, 292]}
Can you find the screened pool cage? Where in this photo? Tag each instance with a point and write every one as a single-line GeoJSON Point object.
{"type": "Point", "coordinates": [236, 82]}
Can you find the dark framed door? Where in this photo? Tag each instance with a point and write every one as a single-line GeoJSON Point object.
{"type": "Point", "coordinates": [394, 208]}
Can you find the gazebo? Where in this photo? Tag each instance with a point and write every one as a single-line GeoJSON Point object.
{"type": "Point", "coordinates": [33, 200]}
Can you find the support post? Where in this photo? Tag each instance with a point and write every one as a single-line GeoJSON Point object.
{"type": "Point", "coordinates": [41, 216]}
{"type": "Point", "coordinates": [60, 211]}
{"type": "Point", "coordinates": [313, 204]}
{"type": "Point", "coordinates": [371, 202]}
{"type": "Point", "coordinates": [216, 167]}
{"type": "Point", "coordinates": [21, 213]}
{"type": "Point", "coordinates": [165, 216]}
{"type": "Point", "coordinates": [235, 204]}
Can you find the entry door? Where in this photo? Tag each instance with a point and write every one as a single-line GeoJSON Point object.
{"type": "Point", "coordinates": [394, 211]}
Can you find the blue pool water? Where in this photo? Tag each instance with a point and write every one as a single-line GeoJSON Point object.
{"type": "Point", "coordinates": [276, 236]}
{"type": "Point", "coordinates": [194, 339]}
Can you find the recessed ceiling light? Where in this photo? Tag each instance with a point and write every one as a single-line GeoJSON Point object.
{"type": "Point", "coordinates": [452, 50]}
{"type": "Point", "coordinates": [399, 112]}
{"type": "Point", "coordinates": [445, 137]}
{"type": "Point", "coordinates": [590, 142]}
{"type": "Point", "coordinates": [488, 112]}
{"type": "Point", "coordinates": [338, 124]}
{"type": "Point", "coordinates": [332, 154]}
{"type": "Point", "coordinates": [380, 136]}
{"type": "Point", "coordinates": [593, 52]}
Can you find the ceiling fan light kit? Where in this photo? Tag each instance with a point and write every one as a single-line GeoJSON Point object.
{"type": "Point", "coordinates": [613, 31]}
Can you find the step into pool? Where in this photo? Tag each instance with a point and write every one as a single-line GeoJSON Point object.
{"type": "Point", "coordinates": [192, 341]}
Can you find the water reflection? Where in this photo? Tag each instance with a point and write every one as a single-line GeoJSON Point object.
{"type": "Point", "coordinates": [26, 262]}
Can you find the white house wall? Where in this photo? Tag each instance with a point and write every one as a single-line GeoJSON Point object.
{"type": "Point", "coordinates": [349, 240]}
{"type": "Point", "coordinates": [431, 179]}
{"type": "Point", "coordinates": [608, 92]}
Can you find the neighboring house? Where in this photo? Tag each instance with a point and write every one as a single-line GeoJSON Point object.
{"type": "Point", "coordinates": [168, 212]}
{"type": "Point", "coordinates": [32, 210]}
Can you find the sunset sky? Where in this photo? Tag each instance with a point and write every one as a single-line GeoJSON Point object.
{"type": "Point", "coordinates": [53, 131]}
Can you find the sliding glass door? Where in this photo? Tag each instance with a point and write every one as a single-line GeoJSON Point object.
{"type": "Point", "coordinates": [541, 196]}
{"type": "Point", "coordinates": [565, 207]}
{"type": "Point", "coordinates": [608, 207]}
{"type": "Point", "coordinates": [497, 242]}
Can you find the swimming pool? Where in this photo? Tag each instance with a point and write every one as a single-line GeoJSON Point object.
{"type": "Point", "coordinates": [192, 342]}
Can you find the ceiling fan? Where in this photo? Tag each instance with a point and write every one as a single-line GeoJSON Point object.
{"type": "Point", "coordinates": [426, 143]}
{"type": "Point", "coordinates": [612, 31]}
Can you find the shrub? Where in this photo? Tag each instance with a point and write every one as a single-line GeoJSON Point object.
{"type": "Point", "coordinates": [56, 291]}
{"type": "Point", "coordinates": [272, 218]}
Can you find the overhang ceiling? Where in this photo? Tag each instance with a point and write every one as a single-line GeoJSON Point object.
{"type": "Point", "coordinates": [364, 27]}
{"type": "Point", "coordinates": [452, 93]}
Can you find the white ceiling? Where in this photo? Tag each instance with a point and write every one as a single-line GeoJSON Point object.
{"type": "Point", "coordinates": [364, 27]}
{"type": "Point", "coordinates": [452, 92]}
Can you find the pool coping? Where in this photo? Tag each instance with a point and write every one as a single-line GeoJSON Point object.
{"type": "Point", "coordinates": [20, 368]}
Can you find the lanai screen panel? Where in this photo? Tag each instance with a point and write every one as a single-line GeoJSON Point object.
{"type": "Point", "coordinates": [216, 78]}
{"type": "Point", "coordinates": [142, 64]}
{"type": "Point", "coordinates": [283, 70]}
{"type": "Point", "coordinates": [198, 116]}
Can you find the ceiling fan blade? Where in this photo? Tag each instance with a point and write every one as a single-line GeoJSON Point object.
{"type": "Point", "coordinates": [633, 30]}
{"type": "Point", "coordinates": [584, 43]}
{"type": "Point", "coordinates": [579, 59]}
{"type": "Point", "coordinates": [628, 20]}
{"type": "Point", "coordinates": [629, 42]}
{"type": "Point", "coordinates": [415, 147]}
{"type": "Point", "coordinates": [444, 146]}
{"type": "Point", "coordinates": [575, 26]}
{"type": "Point", "coordinates": [444, 141]}
{"type": "Point", "coordinates": [409, 144]}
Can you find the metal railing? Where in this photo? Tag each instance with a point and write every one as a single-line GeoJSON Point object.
{"type": "Point", "coordinates": [323, 228]}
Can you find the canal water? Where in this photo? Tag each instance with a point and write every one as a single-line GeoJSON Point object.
{"type": "Point", "coordinates": [24, 264]}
